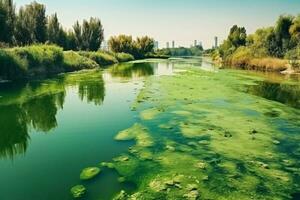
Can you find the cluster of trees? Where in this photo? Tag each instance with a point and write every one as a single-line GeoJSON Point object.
{"type": "Point", "coordinates": [280, 41]}
{"type": "Point", "coordinates": [31, 25]}
{"type": "Point", "coordinates": [182, 51]}
{"type": "Point", "coordinates": [139, 48]}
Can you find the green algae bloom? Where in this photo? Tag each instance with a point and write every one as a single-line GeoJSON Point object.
{"type": "Point", "coordinates": [89, 173]}
{"type": "Point", "coordinates": [78, 191]}
{"type": "Point", "coordinates": [214, 141]}
{"type": "Point", "coordinates": [138, 133]}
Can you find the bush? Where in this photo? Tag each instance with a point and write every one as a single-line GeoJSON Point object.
{"type": "Point", "coordinates": [241, 57]}
{"type": "Point", "coordinates": [124, 57]}
{"type": "Point", "coordinates": [12, 66]}
{"type": "Point", "coordinates": [73, 61]}
{"type": "Point", "coordinates": [102, 58]}
{"type": "Point", "coordinates": [39, 56]}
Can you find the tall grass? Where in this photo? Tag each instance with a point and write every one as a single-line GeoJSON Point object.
{"type": "Point", "coordinates": [12, 66]}
{"type": "Point", "coordinates": [102, 58]}
{"type": "Point", "coordinates": [41, 60]}
{"type": "Point", "coordinates": [73, 61]}
{"type": "Point", "coordinates": [38, 56]}
{"type": "Point", "coordinates": [243, 58]}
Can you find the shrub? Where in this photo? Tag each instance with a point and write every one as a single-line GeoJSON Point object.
{"type": "Point", "coordinates": [73, 61]}
{"type": "Point", "coordinates": [38, 56]}
{"type": "Point", "coordinates": [102, 58]}
{"type": "Point", "coordinates": [12, 66]}
{"type": "Point", "coordinates": [124, 57]}
{"type": "Point", "coordinates": [241, 57]}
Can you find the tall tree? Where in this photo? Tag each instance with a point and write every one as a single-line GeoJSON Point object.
{"type": "Point", "coordinates": [53, 29]}
{"type": "Point", "coordinates": [78, 35]}
{"type": "Point", "coordinates": [237, 36]}
{"type": "Point", "coordinates": [282, 33]}
{"type": "Point", "coordinates": [31, 24]}
{"type": "Point", "coordinates": [89, 35]}
{"type": "Point", "coordinates": [7, 20]}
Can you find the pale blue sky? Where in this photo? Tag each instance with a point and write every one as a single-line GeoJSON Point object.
{"type": "Point", "coordinates": [181, 20]}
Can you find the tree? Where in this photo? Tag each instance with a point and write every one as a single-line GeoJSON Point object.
{"type": "Point", "coordinates": [89, 35]}
{"type": "Point", "coordinates": [282, 34]}
{"type": "Point", "coordinates": [121, 43]}
{"type": "Point", "coordinates": [31, 24]}
{"type": "Point", "coordinates": [78, 35]}
{"type": "Point", "coordinates": [295, 31]}
{"type": "Point", "coordinates": [7, 20]}
{"type": "Point", "coordinates": [53, 29]}
{"type": "Point", "coordinates": [143, 46]}
{"type": "Point", "coordinates": [237, 36]}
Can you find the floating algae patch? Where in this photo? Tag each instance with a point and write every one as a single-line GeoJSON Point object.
{"type": "Point", "coordinates": [136, 132]}
{"type": "Point", "coordinates": [223, 142]}
{"type": "Point", "coordinates": [78, 191]}
{"type": "Point", "coordinates": [89, 173]}
{"type": "Point", "coordinates": [150, 113]}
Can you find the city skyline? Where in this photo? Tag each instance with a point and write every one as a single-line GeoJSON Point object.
{"type": "Point", "coordinates": [175, 20]}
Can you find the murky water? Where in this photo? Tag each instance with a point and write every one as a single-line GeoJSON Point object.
{"type": "Point", "coordinates": [50, 130]}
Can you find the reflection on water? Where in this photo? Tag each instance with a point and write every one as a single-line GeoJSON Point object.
{"type": "Point", "coordinates": [35, 105]}
{"type": "Point", "coordinates": [131, 70]}
{"type": "Point", "coordinates": [283, 93]}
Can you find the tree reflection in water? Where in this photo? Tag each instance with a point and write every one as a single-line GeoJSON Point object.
{"type": "Point", "coordinates": [35, 105]}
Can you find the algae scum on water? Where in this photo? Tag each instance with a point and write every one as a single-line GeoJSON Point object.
{"type": "Point", "coordinates": [203, 135]}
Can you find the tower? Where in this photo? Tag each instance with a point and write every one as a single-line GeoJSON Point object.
{"type": "Point", "coordinates": [195, 43]}
{"type": "Point", "coordinates": [173, 44]}
{"type": "Point", "coordinates": [216, 42]}
{"type": "Point", "coordinates": [168, 45]}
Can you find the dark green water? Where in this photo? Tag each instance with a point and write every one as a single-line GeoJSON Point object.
{"type": "Point", "coordinates": [50, 130]}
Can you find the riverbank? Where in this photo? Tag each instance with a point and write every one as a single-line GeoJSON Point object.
{"type": "Point", "coordinates": [266, 64]}
{"type": "Point", "coordinates": [43, 60]}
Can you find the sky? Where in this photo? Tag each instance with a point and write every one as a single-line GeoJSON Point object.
{"type": "Point", "coordinates": [166, 20]}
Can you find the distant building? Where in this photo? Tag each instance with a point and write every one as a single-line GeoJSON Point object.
{"type": "Point", "coordinates": [195, 43]}
{"type": "Point", "coordinates": [156, 45]}
{"type": "Point", "coordinates": [168, 45]}
{"type": "Point", "coordinates": [216, 42]}
{"type": "Point", "coordinates": [173, 44]}
{"type": "Point", "coordinates": [104, 46]}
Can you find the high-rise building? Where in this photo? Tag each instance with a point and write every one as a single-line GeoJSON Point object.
{"type": "Point", "coordinates": [195, 43]}
{"type": "Point", "coordinates": [155, 45]}
{"type": "Point", "coordinates": [173, 44]}
{"type": "Point", "coordinates": [168, 45]}
{"type": "Point", "coordinates": [216, 42]}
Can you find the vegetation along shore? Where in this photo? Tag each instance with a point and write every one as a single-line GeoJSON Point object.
{"type": "Point", "coordinates": [275, 48]}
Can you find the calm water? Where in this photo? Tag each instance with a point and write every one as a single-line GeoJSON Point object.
{"type": "Point", "coordinates": [50, 130]}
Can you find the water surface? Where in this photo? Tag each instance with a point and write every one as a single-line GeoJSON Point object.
{"type": "Point", "coordinates": [50, 130]}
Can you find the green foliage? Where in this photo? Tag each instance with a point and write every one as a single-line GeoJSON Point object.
{"type": "Point", "coordinates": [124, 57]}
{"type": "Point", "coordinates": [73, 61]}
{"type": "Point", "coordinates": [181, 51]}
{"type": "Point", "coordinates": [48, 56]}
{"type": "Point", "coordinates": [237, 36]}
{"type": "Point", "coordinates": [89, 35]}
{"type": "Point", "coordinates": [7, 20]}
{"type": "Point", "coordinates": [101, 58]}
{"type": "Point", "coordinates": [121, 43]}
{"type": "Point", "coordinates": [12, 66]}
{"type": "Point", "coordinates": [31, 24]}
{"type": "Point", "coordinates": [125, 44]}
{"type": "Point", "coordinates": [271, 44]}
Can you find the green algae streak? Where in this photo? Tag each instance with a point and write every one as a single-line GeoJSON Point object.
{"type": "Point", "coordinates": [203, 135]}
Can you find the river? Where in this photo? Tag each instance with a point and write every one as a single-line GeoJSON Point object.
{"type": "Point", "coordinates": [52, 129]}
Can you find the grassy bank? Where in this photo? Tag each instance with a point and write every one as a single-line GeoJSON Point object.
{"type": "Point", "coordinates": [42, 60]}
{"type": "Point", "coordinates": [244, 58]}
